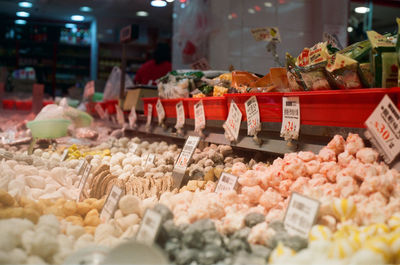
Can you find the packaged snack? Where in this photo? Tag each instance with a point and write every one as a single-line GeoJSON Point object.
{"type": "Point", "coordinates": [310, 56]}
{"type": "Point", "coordinates": [398, 51]}
{"type": "Point", "coordinates": [358, 51]}
{"type": "Point", "coordinates": [315, 77]}
{"type": "Point", "coordinates": [367, 75]}
{"type": "Point", "coordinates": [389, 69]}
{"type": "Point", "coordinates": [344, 72]}
{"type": "Point", "coordinates": [293, 75]}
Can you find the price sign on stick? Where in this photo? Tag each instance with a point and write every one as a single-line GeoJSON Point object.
{"type": "Point", "coordinates": [160, 111]}
{"type": "Point", "coordinates": [149, 227]}
{"type": "Point", "coordinates": [253, 116]}
{"type": "Point", "coordinates": [301, 214]}
{"type": "Point", "coordinates": [111, 203]}
{"type": "Point", "coordinates": [100, 111]}
{"type": "Point", "coordinates": [199, 117]}
{"type": "Point", "coordinates": [120, 115]}
{"type": "Point", "coordinates": [65, 154]}
{"type": "Point", "coordinates": [133, 148]}
{"type": "Point", "coordinates": [226, 182]}
{"type": "Point", "coordinates": [290, 118]}
{"type": "Point", "coordinates": [180, 115]}
{"type": "Point", "coordinates": [232, 124]}
{"type": "Point", "coordinates": [132, 117]}
{"type": "Point", "coordinates": [83, 180]}
{"type": "Point", "coordinates": [383, 129]}
{"type": "Point", "coordinates": [149, 114]}
{"type": "Point", "coordinates": [150, 159]}
{"type": "Point", "coordinates": [183, 159]}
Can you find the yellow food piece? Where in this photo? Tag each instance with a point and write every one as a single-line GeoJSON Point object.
{"type": "Point", "coordinates": [75, 153]}
{"type": "Point", "coordinates": [92, 218]}
{"type": "Point", "coordinates": [83, 208]}
{"type": "Point", "coordinates": [98, 204]}
{"type": "Point", "coordinates": [209, 176]}
{"type": "Point", "coordinates": [219, 91]}
{"type": "Point", "coordinates": [226, 77]}
{"type": "Point", "coordinates": [70, 208]}
{"type": "Point", "coordinates": [217, 172]}
{"type": "Point", "coordinates": [199, 95]}
{"type": "Point", "coordinates": [90, 229]}
{"type": "Point", "coordinates": [31, 214]}
{"type": "Point", "coordinates": [6, 199]}
{"type": "Point", "coordinates": [76, 220]}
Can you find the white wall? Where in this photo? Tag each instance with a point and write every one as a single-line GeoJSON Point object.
{"type": "Point", "coordinates": [301, 24]}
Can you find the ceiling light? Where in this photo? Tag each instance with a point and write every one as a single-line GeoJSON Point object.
{"type": "Point", "coordinates": [22, 14]}
{"type": "Point", "coordinates": [77, 18]}
{"type": "Point", "coordinates": [361, 9]}
{"type": "Point", "coordinates": [170, 1]}
{"type": "Point", "coordinates": [158, 3]}
{"type": "Point", "coordinates": [251, 11]}
{"type": "Point", "coordinates": [70, 25]}
{"type": "Point", "coordinates": [85, 9]}
{"type": "Point", "coordinates": [142, 14]}
{"type": "Point", "coordinates": [25, 4]}
{"type": "Point", "coordinates": [20, 22]}
{"type": "Point", "coordinates": [349, 29]}
{"type": "Point", "coordinates": [183, 5]}
{"type": "Point", "coordinates": [268, 4]}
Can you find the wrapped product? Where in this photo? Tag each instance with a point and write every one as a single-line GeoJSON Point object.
{"type": "Point", "coordinates": [344, 71]}
{"type": "Point", "coordinates": [358, 51]}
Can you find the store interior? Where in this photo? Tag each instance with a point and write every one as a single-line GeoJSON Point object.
{"type": "Point", "coordinates": [193, 132]}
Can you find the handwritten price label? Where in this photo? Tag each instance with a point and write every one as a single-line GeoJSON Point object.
{"type": "Point", "coordinates": [183, 160]}
{"type": "Point", "coordinates": [160, 111]}
{"type": "Point", "coordinates": [132, 117]}
{"type": "Point", "coordinates": [232, 124]}
{"type": "Point", "coordinates": [100, 111]}
{"type": "Point", "coordinates": [226, 182]}
{"type": "Point", "coordinates": [253, 116]}
{"type": "Point", "coordinates": [300, 214]}
{"type": "Point", "coordinates": [199, 117]}
{"type": "Point", "coordinates": [149, 114]}
{"type": "Point", "coordinates": [111, 203]}
{"type": "Point", "coordinates": [384, 129]}
{"type": "Point", "coordinates": [290, 118]}
{"type": "Point", "coordinates": [149, 227]}
{"type": "Point", "coordinates": [180, 115]}
{"type": "Point", "coordinates": [83, 180]}
{"type": "Point", "coordinates": [120, 115]}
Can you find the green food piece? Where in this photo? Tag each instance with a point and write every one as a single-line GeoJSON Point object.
{"type": "Point", "coordinates": [206, 89]}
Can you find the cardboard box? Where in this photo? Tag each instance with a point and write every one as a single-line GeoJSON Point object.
{"type": "Point", "coordinates": [134, 95]}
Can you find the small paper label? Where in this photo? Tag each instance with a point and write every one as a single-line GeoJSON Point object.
{"type": "Point", "coordinates": [132, 117]}
{"type": "Point", "coordinates": [113, 119]}
{"type": "Point", "coordinates": [106, 115]}
{"type": "Point", "coordinates": [300, 214]}
{"type": "Point", "coordinates": [81, 166]}
{"type": "Point", "coordinates": [180, 115]}
{"type": "Point", "coordinates": [266, 34]}
{"type": "Point", "coordinates": [100, 111]}
{"type": "Point", "coordinates": [290, 118]}
{"type": "Point", "coordinates": [84, 178]}
{"type": "Point", "coordinates": [120, 115]}
{"type": "Point", "coordinates": [65, 154]}
{"type": "Point", "coordinates": [160, 111]}
{"type": "Point", "coordinates": [226, 182]}
{"type": "Point", "coordinates": [150, 159]}
{"type": "Point", "coordinates": [232, 124]}
{"type": "Point", "coordinates": [149, 227]}
{"type": "Point", "coordinates": [149, 114]}
{"type": "Point", "coordinates": [199, 117]}
{"type": "Point", "coordinates": [133, 148]}
{"type": "Point", "coordinates": [384, 128]}
{"type": "Point", "coordinates": [253, 116]}
{"type": "Point", "coordinates": [183, 159]}
{"type": "Point", "coordinates": [111, 203]}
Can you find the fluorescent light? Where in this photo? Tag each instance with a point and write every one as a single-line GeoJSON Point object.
{"type": "Point", "coordinates": [268, 4]}
{"type": "Point", "coordinates": [25, 4]}
{"type": "Point", "coordinates": [183, 5]}
{"type": "Point", "coordinates": [170, 1]}
{"type": "Point", "coordinates": [20, 22]}
{"type": "Point", "coordinates": [158, 3]}
{"type": "Point", "coordinates": [349, 29]}
{"type": "Point", "coordinates": [70, 25]}
{"type": "Point", "coordinates": [85, 9]}
{"type": "Point", "coordinates": [22, 14]}
{"type": "Point", "coordinates": [251, 11]}
{"type": "Point", "coordinates": [77, 18]}
{"type": "Point", "coordinates": [142, 14]}
{"type": "Point", "coordinates": [361, 9]}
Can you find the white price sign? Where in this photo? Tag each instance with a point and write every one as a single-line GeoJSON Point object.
{"type": "Point", "coordinates": [160, 111]}
{"type": "Point", "coordinates": [226, 182]}
{"type": "Point", "coordinates": [133, 148]}
{"type": "Point", "coordinates": [384, 127]}
{"type": "Point", "coordinates": [149, 227]}
{"type": "Point", "coordinates": [301, 214]}
{"type": "Point", "coordinates": [186, 153]}
{"type": "Point", "coordinates": [83, 180]}
{"type": "Point", "coordinates": [253, 116]}
{"type": "Point", "coordinates": [132, 117]}
{"type": "Point", "coordinates": [100, 111]}
{"type": "Point", "coordinates": [106, 115]}
{"type": "Point", "coordinates": [290, 118]}
{"type": "Point", "coordinates": [149, 114]}
{"type": "Point", "coordinates": [232, 124]}
{"type": "Point", "coordinates": [120, 115]}
{"type": "Point", "coordinates": [199, 117]}
{"type": "Point", "coordinates": [81, 166]}
{"type": "Point", "coordinates": [65, 154]}
{"type": "Point", "coordinates": [111, 203]}
{"type": "Point", "coordinates": [266, 34]}
{"type": "Point", "coordinates": [180, 115]}
{"type": "Point", "coordinates": [149, 159]}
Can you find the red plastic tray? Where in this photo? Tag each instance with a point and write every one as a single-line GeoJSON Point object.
{"type": "Point", "coordinates": [25, 105]}
{"type": "Point", "coordinates": [8, 103]}
{"type": "Point", "coordinates": [47, 102]}
{"type": "Point", "coordinates": [170, 107]}
{"type": "Point", "coordinates": [215, 108]}
{"type": "Point", "coordinates": [341, 108]}
{"type": "Point", "coordinates": [269, 104]}
{"type": "Point", "coordinates": [110, 106]}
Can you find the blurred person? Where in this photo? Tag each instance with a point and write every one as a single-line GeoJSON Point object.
{"type": "Point", "coordinates": [155, 68]}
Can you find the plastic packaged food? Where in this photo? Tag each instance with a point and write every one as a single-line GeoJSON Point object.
{"type": "Point", "coordinates": [398, 51]}
{"type": "Point", "coordinates": [344, 72]}
{"type": "Point", "coordinates": [358, 51]}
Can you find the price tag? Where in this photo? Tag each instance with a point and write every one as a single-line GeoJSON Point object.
{"type": "Point", "coordinates": [150, 159]}
{"type": "Point", "coordinates": [81, 166]}
{"type": "Point", "coordinates": [160, 111]}
{"type": "Point", "coordinates": [383, 129]}
{"type": "Point", "coordinates": [290, 118]}
{"type": "Point", "coordinates": [84, 178]}
{"type": "Point", "coordinates": [106, 115]}
{"type": "Point", "coordinates": [266, 34]}
{"type": "Point", "coordinates": [183, 160]}
{"type": "Point", "coordinates": [201, 64]}
{"type": "Point", "coordinates": [226, 182]}
{"type": "Point", "coordinates": [199, 117]}
{"type": "Point", "coordinates": [132, 117]}
{"type": "Point", "coordinates": [149, 227]}
{"type": "Point", "coordinates": [113, 119]}
{"type": "Point", "coordinates": [149, 114]}
{"type": "Point", "coordinates": [133, 148]}
{"type": "Point", "coordinates": [232, 124]}
{"type": "Point", "coordinates": [301, 214]}
{"type": "Point", "coordinates": [65, 154]}
{"type": "Point", "coordinates": [253, 116]}
{"type": "Point", "coordinates": [120, 115]}
{"type": "Point", "coordinates": [180, 115]}
{"type": "Point", "coordinates": [111, 203]}
{"type": "Point", "coordinates": [100, 111]}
